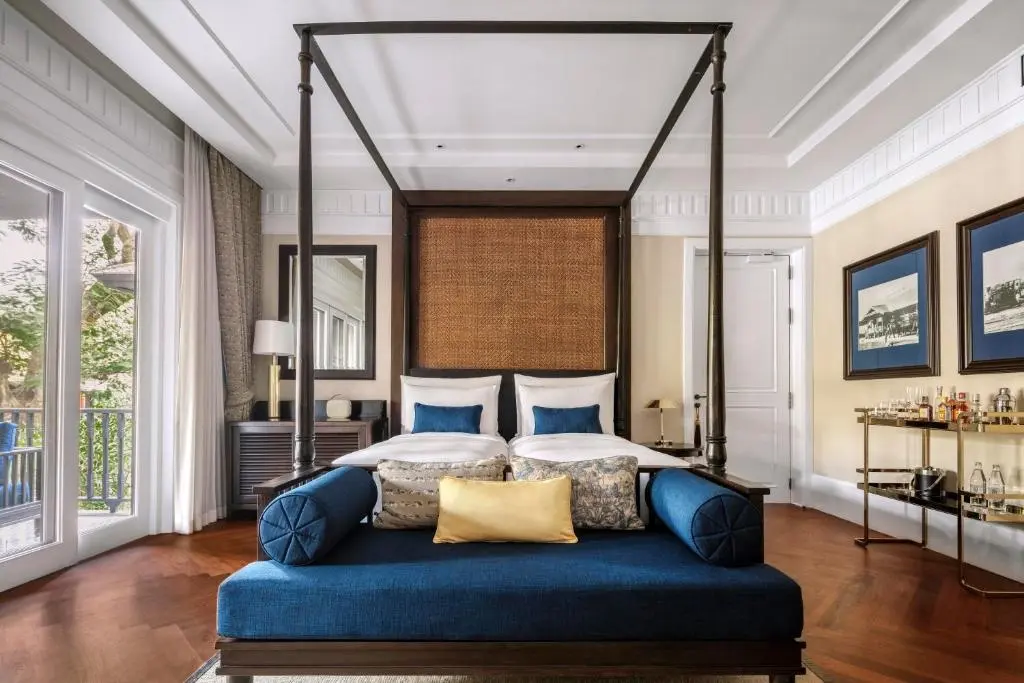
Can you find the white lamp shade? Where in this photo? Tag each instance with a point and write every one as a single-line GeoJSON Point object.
{"type": "Point", "coordinates": [273, 337]}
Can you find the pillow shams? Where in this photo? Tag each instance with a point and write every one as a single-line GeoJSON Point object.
{"type": "Point", "coordinates": [486, 396]}
{"type": "Point", "coordinates": [409, 489]}
{"type": "Point", "coordinates": [586, 380]}
{"type": "Point", "coordinates": [602, 395]}
{"type": "Point", "coordinates": [603, 489]}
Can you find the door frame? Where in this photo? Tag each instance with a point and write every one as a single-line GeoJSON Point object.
{"type": "Point", "coordinates": [152, 402]}
{"type": "Point", "coordinates": [61, 384]}
{"type": "Point", "coordinates": [800, 367]}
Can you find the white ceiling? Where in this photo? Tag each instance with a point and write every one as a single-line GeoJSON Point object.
{"type": "Point", "coordinates": [811, 85]}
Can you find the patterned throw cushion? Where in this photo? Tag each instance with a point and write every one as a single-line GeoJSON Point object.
{"type": "Point", "coordinates": [409, 489]}
{"type": "Point", "coordinates": [603, 489]}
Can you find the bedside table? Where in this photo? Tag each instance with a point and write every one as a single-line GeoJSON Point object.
{"type": "Point", "coordinates": [677, 449]}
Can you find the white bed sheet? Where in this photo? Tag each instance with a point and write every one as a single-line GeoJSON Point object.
{"type": "Point", "coordinates": [428, 447]}
{"type": "Point", "coordinates": [567, 447]}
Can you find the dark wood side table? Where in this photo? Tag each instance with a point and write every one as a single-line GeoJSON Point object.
{"type": "Point", "coordinates": [262, 450]}
{"type": "Point", "coordinates": [677, 449]}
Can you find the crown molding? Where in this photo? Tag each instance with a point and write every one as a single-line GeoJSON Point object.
{"type": "Point", "coordinates": [988, 107]}
{"type": "Point", "coordinates": [335, 212]}
{"type": "Point", "coordinates": [51, 90]}
{"type": "Point", "coordinates": [908, 60]}
{"type": "Point", "coordinates": [368, 212]}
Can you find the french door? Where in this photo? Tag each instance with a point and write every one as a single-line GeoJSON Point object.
{"type": "Point", "coordinates": [84, 304]}
{"type": "Point", "coordinates": [39, 367]}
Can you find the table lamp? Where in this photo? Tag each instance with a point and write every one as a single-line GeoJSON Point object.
{"type": "Point", "coordinates": [274, 338]}
{"type": "Point", "coordinates": [663, 404]}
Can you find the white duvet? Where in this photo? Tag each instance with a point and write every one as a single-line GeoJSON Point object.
{"type": "Point", "coordinates": [428, 447]}
{"type": "Point", "coordinates": [566, 447]}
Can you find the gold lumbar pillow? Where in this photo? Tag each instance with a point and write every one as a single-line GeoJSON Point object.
{"type": "Point", "coordinates": [505, 511]}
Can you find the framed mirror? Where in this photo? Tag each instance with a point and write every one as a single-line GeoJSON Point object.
{"type": "Point", "coordinates": [344, 306]}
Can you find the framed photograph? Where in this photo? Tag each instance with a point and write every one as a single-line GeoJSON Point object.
{"type": "Point", "coordinates": [890, 312]}
{"type": "Point", "coordinates": [990, 285]}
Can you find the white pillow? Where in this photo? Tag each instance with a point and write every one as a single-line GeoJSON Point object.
{"type": "Point", "coordinates": [607, 402]}
{"type": "Point", "coordinates": [452, 382]}
{"type": "Point", "coordinates": [567, 397]}
{"type": "Point", "coordinates": [447, 395]}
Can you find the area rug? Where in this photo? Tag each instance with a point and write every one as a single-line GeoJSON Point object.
{"type": "Point", "coordinates": [205, 674]}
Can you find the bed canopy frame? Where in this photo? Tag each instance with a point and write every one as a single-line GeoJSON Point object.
{"type": "Point", "coordinates": [713, 56]}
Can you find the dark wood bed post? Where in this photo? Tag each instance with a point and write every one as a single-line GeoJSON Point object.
{"type": "Point", "coordinates": [305, 438]}
{"type": "Point", "coordinates": [716, 452]}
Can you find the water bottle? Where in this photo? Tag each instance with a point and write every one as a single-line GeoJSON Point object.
{"type": "Point", "coordinates": [996, 486]}
{"type": "Point", "coordinates": [977, 486]}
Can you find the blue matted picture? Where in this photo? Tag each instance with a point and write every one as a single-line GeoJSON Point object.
{"type": "Point", "coordinates": [990, 282]}
{"type": "Point", "coordinates": [890, 316]}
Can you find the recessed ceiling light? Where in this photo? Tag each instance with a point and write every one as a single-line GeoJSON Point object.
{"type": "Point", "coordinates": [580, 146]}
{"type": "Point", "coordinates": [440, 146]}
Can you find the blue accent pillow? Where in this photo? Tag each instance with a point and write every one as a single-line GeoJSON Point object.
{"type": "Point", "coordinates": [304, 524]}
{"type": "Point", "coordinates": [721, 526]}
{"type": "Point", "coordinates": [583, 420]}
{"type": "Point", "coordinates": [428, 418]}
{"type": "Point", "coordinates": [8, 436]}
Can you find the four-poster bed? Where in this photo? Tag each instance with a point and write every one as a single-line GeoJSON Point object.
{"type": "Point", "coordinates": [775, 651]}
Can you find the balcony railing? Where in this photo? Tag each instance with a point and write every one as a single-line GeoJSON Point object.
{"type": "Point", "coordinates": [105, 455]}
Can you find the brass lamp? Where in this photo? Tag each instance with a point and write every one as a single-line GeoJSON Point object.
{"type": "Point", "coordinates": [274, 338]}
{"type": "Point", "coordinates": [663, 404]}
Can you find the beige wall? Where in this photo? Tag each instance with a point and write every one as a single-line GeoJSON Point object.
{"type": "Point", "coordinates": [657, 334]}
{"type": "Point", "coordinates": [379, 388]}
{"type": "Point", "coordinates": [982, 180]}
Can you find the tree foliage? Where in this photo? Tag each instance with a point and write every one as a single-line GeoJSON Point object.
{"type": "Point", "coordinates": [108, 315]}
{"type": "Point", "coordinates": [107, 341]}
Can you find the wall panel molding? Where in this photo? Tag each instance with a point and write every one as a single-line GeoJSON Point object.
{"type": "Point", "coordinates": [63, 93]}
{"type": "Point", "coordinates": [981, 111]}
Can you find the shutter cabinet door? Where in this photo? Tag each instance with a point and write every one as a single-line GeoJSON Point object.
{"type": "Point", "coordinates": [260, 456]}
{"type": "Point", "coordinates": [262, 451]}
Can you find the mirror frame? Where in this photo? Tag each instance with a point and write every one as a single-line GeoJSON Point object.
{"type": "Point", "coordinates": [369, 252]}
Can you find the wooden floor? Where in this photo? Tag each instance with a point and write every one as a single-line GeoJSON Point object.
{"type": "Point", "coordinates": [145, 613]}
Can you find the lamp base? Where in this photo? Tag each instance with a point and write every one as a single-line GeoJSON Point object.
{"type": "Point", "coordinates": [274, 398]}
{"type": "Point", "coordinates": [663, 442]}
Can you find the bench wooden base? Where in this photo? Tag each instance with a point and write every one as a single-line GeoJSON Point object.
{"type": "Point", "coordinates": [240, 660]}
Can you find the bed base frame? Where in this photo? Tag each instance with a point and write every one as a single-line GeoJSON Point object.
{"type": "Point", "coordinates": [780, 661]}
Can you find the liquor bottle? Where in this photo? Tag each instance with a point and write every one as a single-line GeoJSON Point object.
{"type": "Point", "coordinates": [924, 409]}
{"type": "Point", "coordinates": [960, 407]}
{"type": "Point", "coordinates": [942, 410]}
{"type": "Point", "coordinates": [996, 486]}
{"type": "Point", "coordinates": [977, 486]}
{"type": "Point", "coordinates": [976, 416]}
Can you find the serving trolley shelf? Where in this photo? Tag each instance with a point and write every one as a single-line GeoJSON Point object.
{"type": "Point", "coordinates": [962, 503]}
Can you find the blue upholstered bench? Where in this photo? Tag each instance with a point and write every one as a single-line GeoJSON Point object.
{"type": "Point", "coordinates": [690, 595]}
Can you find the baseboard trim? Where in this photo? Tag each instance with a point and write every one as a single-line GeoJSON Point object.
{"type": "Point", "coordinates": [988, 546]}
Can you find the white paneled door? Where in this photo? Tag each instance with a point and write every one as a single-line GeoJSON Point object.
{"type": "Point", "coordinates": [757, 379]}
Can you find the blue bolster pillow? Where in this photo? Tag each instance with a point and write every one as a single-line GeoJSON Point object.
{"type": "Point", "coordinates": [304, 524]}
{"type": "Point", "coordinates": [721, 526]}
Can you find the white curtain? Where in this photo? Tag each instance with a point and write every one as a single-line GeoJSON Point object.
{"type": "Point", "coordinates": [199, 468]}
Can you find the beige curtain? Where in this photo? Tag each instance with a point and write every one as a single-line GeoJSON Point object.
{"type": "Point", "coordinates": [236, 218]}
{"type": "Point", "coordinates": [199, 463]}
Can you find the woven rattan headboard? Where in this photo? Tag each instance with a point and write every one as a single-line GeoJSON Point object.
{"type": "Point", "coordinates": [504, 289]}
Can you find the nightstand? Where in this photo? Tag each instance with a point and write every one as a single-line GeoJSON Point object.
{"type": "Point", "coordinates": [677, 449]}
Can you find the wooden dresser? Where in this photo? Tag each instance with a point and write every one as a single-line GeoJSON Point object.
{"type": "Point", "coordinates": [263, 450]}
